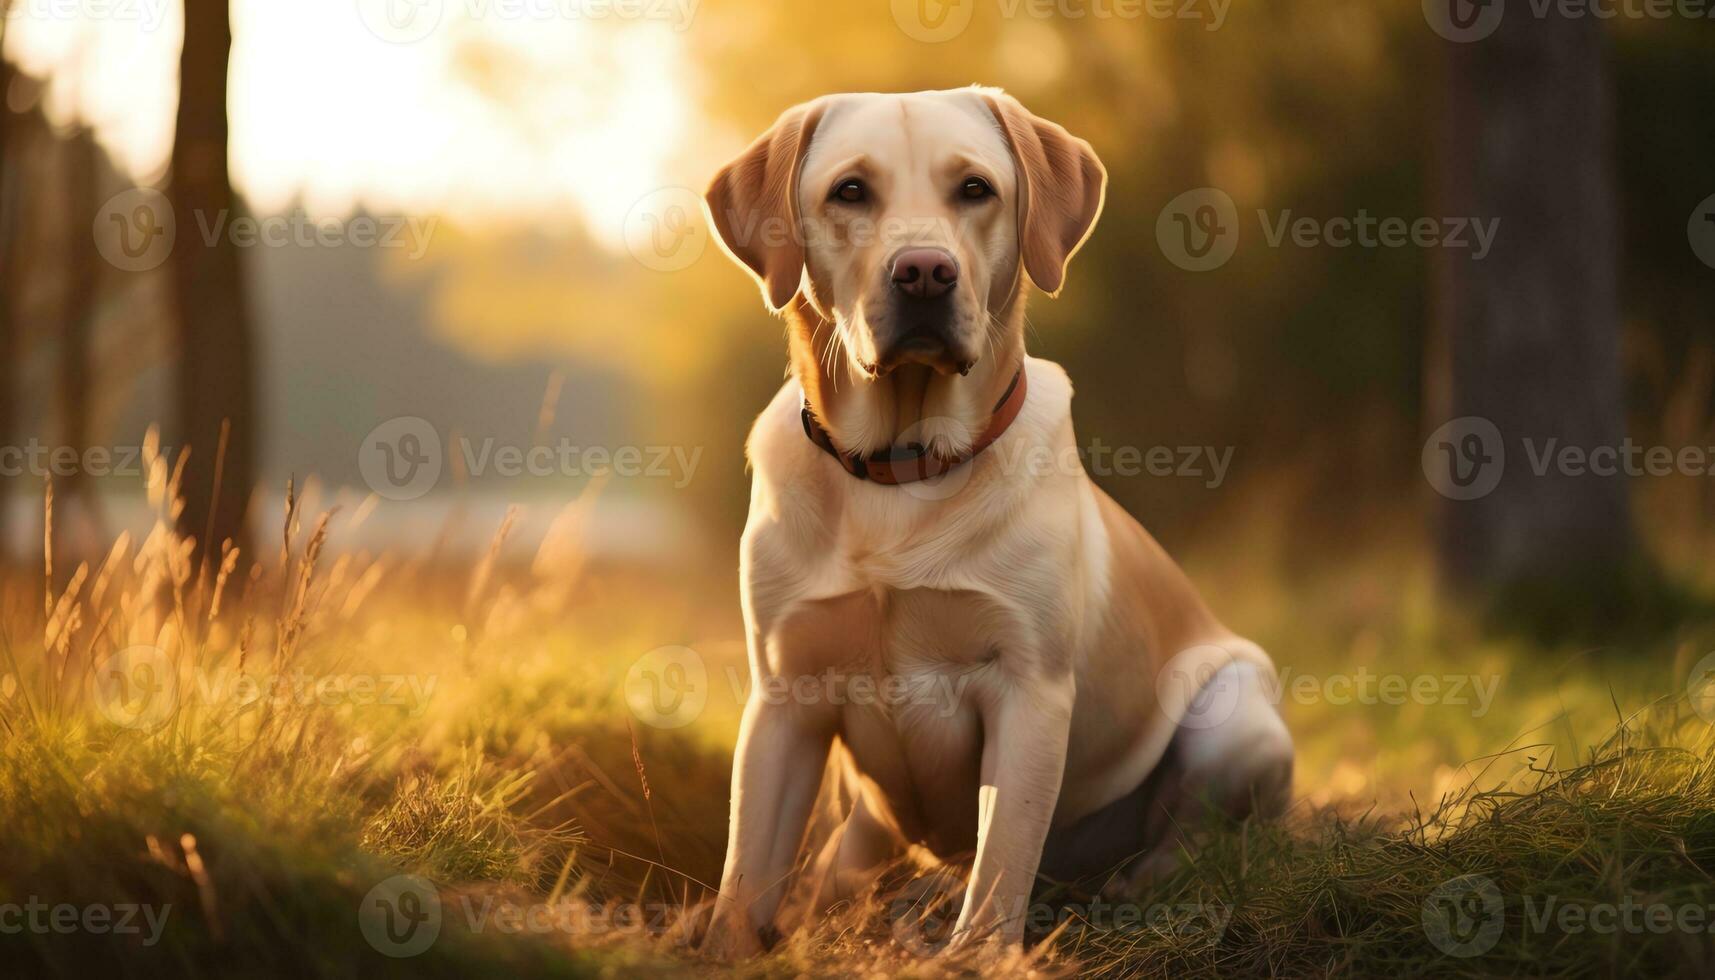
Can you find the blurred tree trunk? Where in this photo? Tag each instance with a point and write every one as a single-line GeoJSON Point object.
{"type": "Point", "coordinates": [215, 383]}
{"type": "Point", "coordinates": [9, 229]}
{"type": "Point", "coordinates": [1528, 336]}
{"type": "Point", "coordinates": [77, 320]}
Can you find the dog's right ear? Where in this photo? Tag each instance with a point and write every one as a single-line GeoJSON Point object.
{"type": "Point", "coordinates": [753, 204]}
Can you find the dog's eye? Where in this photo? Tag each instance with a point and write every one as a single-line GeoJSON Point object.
{"type": "Point", "coordinates": [850, 191]}
{"type": "Point", "coordinates": [975, 189]}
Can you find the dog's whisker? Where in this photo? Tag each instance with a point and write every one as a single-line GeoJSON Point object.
{"type": "Point", "coordinates": [996, 327]}
{"type": "Point", "coordinates": [1030, 328]}
{"type": "Point", "coordinates": [831, 351]}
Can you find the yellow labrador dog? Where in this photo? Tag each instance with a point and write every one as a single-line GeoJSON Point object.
{"type": "Point", "coordinates": [1011, 663]}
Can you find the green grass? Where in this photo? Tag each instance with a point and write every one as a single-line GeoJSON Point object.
{"type": "Point", "coordinates": [1635, 823]}
{"type": "Point", "coordinates": [514, 776]}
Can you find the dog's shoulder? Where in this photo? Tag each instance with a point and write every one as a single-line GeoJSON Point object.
{"type": "Point", "coordinates": [1048, 407]}
{"type": "Point", "coordinates": [776, 443]}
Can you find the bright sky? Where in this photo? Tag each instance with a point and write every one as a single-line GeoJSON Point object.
{"type": "Point", "coordinates": [471, 108]}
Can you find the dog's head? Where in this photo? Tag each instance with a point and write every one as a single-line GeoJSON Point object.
{"type": "Point", "coordinates": [909, 221]}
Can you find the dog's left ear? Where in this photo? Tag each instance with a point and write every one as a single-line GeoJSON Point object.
{"type": "Point", "coordinates": [1062, 184]}
{"type": "Point", "coordinates": [753, 204]}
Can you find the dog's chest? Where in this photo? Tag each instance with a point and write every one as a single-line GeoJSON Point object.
{"type": "Point", "coordinates": [917, 596]}
{"type": "Point", "coordinates": [902, 675]}
{"type": "Point", "coordinates": [900, 616]}
{"type": "Point", "coordinates": [885, 632]}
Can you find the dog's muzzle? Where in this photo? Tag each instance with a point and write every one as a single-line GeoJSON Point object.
{"type": "Point", "coordinates": [924, 286]}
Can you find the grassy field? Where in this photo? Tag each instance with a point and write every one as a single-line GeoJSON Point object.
{"type": "Point", "coordinates": [353, 765]}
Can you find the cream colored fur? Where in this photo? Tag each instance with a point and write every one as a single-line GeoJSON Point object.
{"type": "Point", "coordinates": [1064, 644]}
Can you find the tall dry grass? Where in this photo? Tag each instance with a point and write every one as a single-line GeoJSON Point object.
{"type": "Point", "coordinates": [164, 741]}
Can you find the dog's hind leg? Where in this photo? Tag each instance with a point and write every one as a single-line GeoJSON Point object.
{"type": "Point", "coordinates": [1222, 765]}
{"type": "Point", "coordinates": [852, 846]}
{"type": "Point", "coordinates": [857, 853]}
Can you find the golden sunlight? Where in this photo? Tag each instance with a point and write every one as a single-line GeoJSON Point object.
{"type": "Point", "coordinates": [485, 116]}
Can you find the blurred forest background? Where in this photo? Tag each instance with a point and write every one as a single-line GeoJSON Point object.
{"type": "Point", "coordinates": [525, 145]}
{"type": "Point", "coordinates": [365, 249]}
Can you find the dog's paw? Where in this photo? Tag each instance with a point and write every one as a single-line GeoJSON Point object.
{"type": "Point", "coordinates": [922, 912]}
{"type": "Point", "coordinates": [726, 941]}
{"type": "Point", "coordinates": [1146, 872]}
{"type": "Point", "coordinates": [984, 953]}
{"type": "Point", "coordinates": [692, 925]}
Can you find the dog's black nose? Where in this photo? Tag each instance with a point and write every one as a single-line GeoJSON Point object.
{"type": "Point", "coordinates": [925, 272]}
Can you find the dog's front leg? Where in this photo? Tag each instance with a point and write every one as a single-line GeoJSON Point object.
{"type": "Point", "coordinates": [1024, 757]}
{"type": "Point", "coordinates": [777, 770]}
